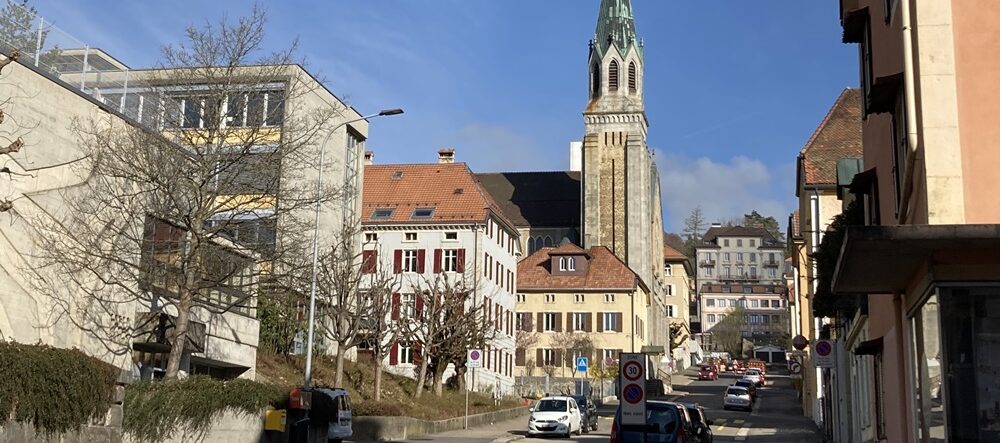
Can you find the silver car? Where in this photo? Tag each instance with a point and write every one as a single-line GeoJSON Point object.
{"type": "Point", "coordinates": [738, 398]}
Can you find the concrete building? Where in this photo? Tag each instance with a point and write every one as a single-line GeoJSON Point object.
{"type": "Point", "coordinates": [919, 254]}
{"type": "Point", "coordinates": [836, 138]}
{"type": "Point", "coordinates": [425, 221]}
{"type": "Point", "coordinates": [679, 278]}
{"type": "Point", "coordinates": [765, 305]}
{"type": "Point", "coordinates": [567, 293]}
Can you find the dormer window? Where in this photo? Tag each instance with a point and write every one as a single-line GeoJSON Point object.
{"type": "Point", "coordinates": [422, 213]}
{"type": "Point", "coordinates": [381, 214]}
{"type": "Point", "coordinates": [567, 263]}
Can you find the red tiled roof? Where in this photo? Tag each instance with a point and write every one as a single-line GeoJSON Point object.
{"type": "Point", "coordinates": [796, 228]}
{"type": "Point", "coordinates": [567, 249]}
{"type": "Point", "coordinates": [604, 271]}
{"type": "Point", "coordinates": [670, 253]}
{"type": "Point", "coordinates": [451, 189]}
{"type": "Point", "coordinates": [838, 136]}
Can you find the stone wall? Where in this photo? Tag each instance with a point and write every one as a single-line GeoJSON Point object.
{"type": "Point", "coordinates": [105, 430]}
{"type": "Point", "coordinates": [402, 428]}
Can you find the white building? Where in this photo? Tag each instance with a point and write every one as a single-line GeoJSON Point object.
{"type": "Point", "coordinates": [424, 220]}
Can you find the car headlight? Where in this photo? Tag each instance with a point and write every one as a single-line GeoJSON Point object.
{"type": "Point", "coordinates": [564, 418]}
{"type": "Point", "coordinates": [531, 418]}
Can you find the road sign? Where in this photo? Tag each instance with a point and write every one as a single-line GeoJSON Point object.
{"type": "Point", "coordinates": [823, 354]}
{"type": "Point", "coordinates": [474, 359]}
{"type": "Point", "coordinates": [581, 364]}
{"type": "Point", "coordinates": [632, 379]}
{"type": "Point", "coordinates": [795, 367]}
{"type": "Point", "coordinates": [800, 342]}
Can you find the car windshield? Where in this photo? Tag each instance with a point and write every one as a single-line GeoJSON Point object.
{"type": "Point", "coordinates": [753, 372]}
{"type": "Point", "coordinates": [580, 400]}
{"type": "Point", "coordinates": [706, 368]}
{"type": "Point", "coordinates": [661, 420]}
{"type": "Point", "coordinates": [736, 391]}
{"type": "Point", "coordinates": [695, 415]}
{"type": "Point", "coordinates": [743, 383]}
{"type": "Point", "coordinates": [551, 406]}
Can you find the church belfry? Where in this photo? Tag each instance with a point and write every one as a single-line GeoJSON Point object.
{"type": "Point", "coordinates": [616, 72]}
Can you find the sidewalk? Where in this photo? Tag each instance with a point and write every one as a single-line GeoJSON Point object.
{"type": "Point", "coordinates": [501, 432]}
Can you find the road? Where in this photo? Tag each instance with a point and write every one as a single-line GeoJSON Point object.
{"type": "Point", "coordinates": [776, 418]}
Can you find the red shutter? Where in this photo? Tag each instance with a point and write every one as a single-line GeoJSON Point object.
{"type": "Point", "coordinates": [437, 261]}
{"type": "Point", "coordinates": [397, 261]}
{"type": "Point", "coordinates": [420, 306]}
{"type": "Point", "coordinates": [368, 260]}
{"type": "Point", "coordinates": [460, 268]}
{"type": "Point", "coordinates": [421, 258]}
{"type": "Point", "coordinates": [395, 306]}
{"type": "Point", "coordinates": [417, 354]}
{"type": "Point", "coordinates": [394, 354]}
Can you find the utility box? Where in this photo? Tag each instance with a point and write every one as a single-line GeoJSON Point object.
{"type": "Point", "coordinates": [274, 420]}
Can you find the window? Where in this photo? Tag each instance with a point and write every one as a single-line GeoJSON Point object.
{"type": "Point", "coordinates": [725, 257]}
{"type": "Point", "coordinates": [405, 356]}
{"type": "Point", "coordinates": [549, 321]}
{"type": "Point", "coordinates": [739, 257]}
{"type": "Point", "coordinates": [710, 302]}
{"type": "Point", "coordinates": [609, 298]}
{"type": "Point", "coordinates": [398, 175]}
{"type": "Point", "coordinates": [578, 298]}
{"type": "Point", "coordinates": [725, 242]}
{"type": "Point", "coordinates": [753, 272]}
{"type": "Point", "coordinates": [770, 257]}
{"type": "Point", "coordinates": [726, 271]}
{"type": "Point", "coordinates": [754, 303]}
{"type": "Point", "coordinates": [408, 305]}
{"type": "Point", "coordinates": [899, 145]}
{"type": "Point", "coordinates": [726, 288]}
{"type": "Point", "coordinates": [671, 311]}
{"type": "Point", "coordinates": [613, 76]}
{"type": "Point", "coordinates": [451, 236]}
{"type": "Point", "coordinates": [610, 320]}
{"type": "Point", "coordinates": [449, 260]}
{"type": "Point", "coordinates": [524, 321]}
{"type": "Point", "coordinates": [632, 81]}
{"type": "Point", "coordinates": [381, 214]}
{"type": "Point", "coordinates": [887, 7]}
{"type": "Point", "coordinates": [580, 321]}
{"type": "Point", "coordinates": [410, 260]}
{"type": "Point", "coordinates": [550, 298]}
{"type": "Point", "coordinates": [739, 242]}
{"type": "Point", "coordinates": [520, 298]}
{"type": "Point", "coordinates": [371, 237]}
{"type": "Point", "coordinates": [742, 303]}
{"type": "Point", "coordinates": [733, 303]}
{"type": "Point", "coordinates": [410, 236]}
{"type": "Point", "coordinates": [531, 245]}
{"type": "Point", "coordinates": [595, 80]}
{"type": "Point", "coordinates": [567, 263]}
{"type": "Point", "coordinates": [753, 243]}
{"type": "Point", "coordinates": [708, 272]}
{"type": "Point", "coordinates": [753, 257]}
{"type": "Point", "coordinates": [865, 56]}
{"type": "Point", "coordinates": [668, 270]}
{"type": "Point", "coordinates": [711, 318]}
{"type": "Point", "coordinates": [670, 290]}
{"type": "Point", "coordinates": [548, 357]}
{"type": "Point", "coordinates": [422, 213]}
{"type": "Point", "coordinates": [772, 272]}
{"type": "Point", "coordinates": [739, 271]}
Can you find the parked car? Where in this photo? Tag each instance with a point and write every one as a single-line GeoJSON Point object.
{"type": "Point", "coordinates": [339, 427]}
{"type": "Point", "coordinates": [702, 424]}
{"type": "Point", "coordinates": [588, 412]}
{"type": "Point", "coordinates": [749, 385]}
{"type": "Point", "coordinates": [737, 397]}
{"type": "Point", "coordinates": [755, 376]}
{"type": "Point", "coordinates": [664, 424]}
{"type": "Point", "coordinates": [555, 416]}
{"type": "Point", "coordinates": [688, 422]}
{"type": "Point", "coordinates": [707, 372]}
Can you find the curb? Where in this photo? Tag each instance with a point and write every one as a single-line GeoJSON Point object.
{"type": "Point", "coordinates": [508, 439]}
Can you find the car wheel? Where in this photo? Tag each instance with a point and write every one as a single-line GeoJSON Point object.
{"type": "Point", "coordinates": [594, 428]}
{"type": "Point", "coordinates": [725, 408]}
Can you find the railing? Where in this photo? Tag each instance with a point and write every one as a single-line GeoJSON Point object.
{"type": "Point", "coordinates": [740, 277]}
{"type": "Point", "coordinates": [707, 263]}
{"type": "Point", "coordinates": [770, 263]}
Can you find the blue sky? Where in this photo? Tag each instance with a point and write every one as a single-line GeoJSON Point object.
{"type": "Point", "coordinates": [733, 88]}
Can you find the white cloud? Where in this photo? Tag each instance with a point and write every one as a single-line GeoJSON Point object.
{"type": "Point", "coordinates": [723, 190]}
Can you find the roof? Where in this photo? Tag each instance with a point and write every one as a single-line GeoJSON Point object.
{"type": "Point", "coordinates": [568, 248]}
{"type": "Point", "coordinates": [537, 199]}
{"type": "Point", "coordinates": [450, 189]}
{"type": "Point", "coordinates": [736, 231]}
{"type": "Point", "coordinates": [837, 136]}
{"type": "Point", "coordinates": [669, 253]}
{"type": "Point", "coordinates": [604, 271]}
{"type": "Point", "coordinates": [794, 226]}
{"type": "Point", "coordinates": [737, 288]}
{"type": "Point", "coordinates": [615, 24]}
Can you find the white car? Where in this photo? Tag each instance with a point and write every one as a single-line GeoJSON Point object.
{"type": "Point", "coordinates": [555, 416]}
{"type": "Point", "coordinates": [754, 376]}
{"type": "Point", "coordinates": [737, 397]}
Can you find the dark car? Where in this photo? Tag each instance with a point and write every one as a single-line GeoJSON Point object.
{"type": "Point", "coordinates": [707, 372]}
{"type": "Point", "coordinates": [702, 424]}
{"type": "Point", "coordinates": [689, 428]}
{"type": "Point", "coordinates": [749, 385]}
{"type": "Point", "coordinates": [588, 409]}
{"type": "Point", "coordinates": [664, 424]}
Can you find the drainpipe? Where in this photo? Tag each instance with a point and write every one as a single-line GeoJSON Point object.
{"type": "Point", "coordinates": [814, 214]}
{"type": "Point", "coordinates": [910, 103]}
{"type": "Point", "coordinates": [796, 328]}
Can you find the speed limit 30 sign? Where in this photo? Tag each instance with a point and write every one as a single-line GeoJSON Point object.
{"type": "Point", "coordinates": [632, 380]}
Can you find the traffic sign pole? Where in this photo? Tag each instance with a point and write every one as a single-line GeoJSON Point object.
{"type": "Point", "coordinates": [473, 360]}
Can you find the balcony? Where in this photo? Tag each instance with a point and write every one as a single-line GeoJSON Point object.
{"type": "Point", "coordinates": [740, 278]}
{"type": "Point", "coordinates": [770, 263]}
{"type": "Point", "coordinates": [707, 263]}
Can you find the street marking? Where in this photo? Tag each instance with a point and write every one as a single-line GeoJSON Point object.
{"type": "Point", "coordinates": [741, 435]}
{"type": "Point", "coordinates": [739, 421]}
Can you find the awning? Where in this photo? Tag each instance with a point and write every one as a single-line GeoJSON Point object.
{"type": "Point", "coordinates": [854, 25]}
{"type": "Point", "coordinates": [884, 259]}
{"type": "Point", "coordinates": [882, 97]}
{"type": "Point", "coordinates": [870, 347]}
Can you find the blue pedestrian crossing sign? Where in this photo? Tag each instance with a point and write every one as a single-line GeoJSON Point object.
{"type": "Point", "coordinates": [581, 364]}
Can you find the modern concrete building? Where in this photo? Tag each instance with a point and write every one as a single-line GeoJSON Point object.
{"type": "Point", "coordinates": [426, 221]}
{"type": "Point", "coordinates": [920, 253]}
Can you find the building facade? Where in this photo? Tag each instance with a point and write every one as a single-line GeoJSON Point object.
{"type": "Point", "coordinates": [765, 308]}
{"type": "Point", "coordinates": [679, 279]}
{"type": "Point", "coordinates": [431, 221]}
{"type": "Point", "coordinates": [573, 303]}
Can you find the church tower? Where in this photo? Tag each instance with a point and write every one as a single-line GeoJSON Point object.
{"type": "Point", "coordinates": [620, 184]}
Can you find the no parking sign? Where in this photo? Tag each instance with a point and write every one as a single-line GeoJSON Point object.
{"type": "Point", "coordinates": [632, 379]}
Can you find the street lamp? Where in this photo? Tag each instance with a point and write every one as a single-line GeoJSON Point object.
{"type": "Point", "coordinates": [315, 246]}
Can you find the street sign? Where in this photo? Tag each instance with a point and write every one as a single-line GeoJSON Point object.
{"type": "Point", "coordinates": [795, 367]}
{"type": "Point", "coordinates": [581, 364]}
{"type": "Point", "coordinates": [800, 342]}
{"type": "Point", "coordinates": [474, 359]}
{"type": "Point", "coordinates": [823, 354]}
{"type": "Point", "coordinates": [632, 379]}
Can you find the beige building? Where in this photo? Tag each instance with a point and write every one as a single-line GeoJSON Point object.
{"type": "Point", "coordinates": [573, 303]}
{"type": "Point", "coordinates": [678, 279]}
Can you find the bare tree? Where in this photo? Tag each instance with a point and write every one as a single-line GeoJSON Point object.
{"type": "Point", "coordinates": [728, 333]}
{"type": "Point", "coordinates": [573, 345]}
{"type": "Point", "coordinates": [190, 212]}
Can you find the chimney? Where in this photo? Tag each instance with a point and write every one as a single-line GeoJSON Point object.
{"type": "Point", "coordinates": [369, 157]}
{"type": "Point", "coordinates": [716, 225]}
{"type": "Point", "coordinates": [446, 155]}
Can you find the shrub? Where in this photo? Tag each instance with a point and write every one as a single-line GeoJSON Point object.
{"type": "Point", "coordinates": [381, 409]}
{"type": "Point", "coordinates": [55, 390]}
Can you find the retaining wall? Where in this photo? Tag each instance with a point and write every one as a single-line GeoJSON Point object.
{"type": "Point", "coordinates": [402, 428]}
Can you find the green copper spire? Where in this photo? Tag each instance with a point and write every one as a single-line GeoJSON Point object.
{"type": "Point", "coordinates": [615, 24]}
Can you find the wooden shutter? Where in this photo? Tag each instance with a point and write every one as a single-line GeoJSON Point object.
{"type": "Point", "coordinates": [559, 326]}
{"type": "Point", "coordinates": [557, 359]}
{"type": "Point", "coordinates": [528, 325]}
{"type": "Point", "coordinates": [395, 306]}
{"type": "Point", "coordinates": [421, 259]}
{"type": "Point", "coordinates": [419, 308]}
{"type": "Point", "coordinates": [416, 351]}
{"type": "Point", "coordinates": [569, 322]}
{"type": "Point", "coordinates": [368, 260]}
{"type": "Point", "coordinates": [519, 357]}
{"type": "Point", "coordinates": [541, 322]}
{"type": "Point", "coordinates": [394, 354]}
{"type": "Point", "coordinates": [397, 261]}
{"type": "Point", "coordinates": [600, 322]}
{"type": "Point", "coordinates": [437, 261]}
{"type": "Point", "coordinates": [538, 357]}
{"type": "Point", "coordinates": [618, 322]}
{"type": "Point", "coordinates": [613, 76]}
{"type": "Point", "coordinates": [588, 320]}
{"type": "Point", "coordinates": [460, 267]}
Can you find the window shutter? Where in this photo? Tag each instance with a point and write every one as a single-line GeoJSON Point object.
{"type": "Point", "coordinates": [437, 261]}
{"type": "Point", "coordinates": [417, 355]}
{"type": "Point", "coordinates": [557, 358]}
{"type": "Point", "coordinates": [519, 357]}
{"type": "Point", "coordinates": [588, 321]}
{"type": "Point", "coordinates": [368, 262]}
{"type": "Point", "coordinates": [419, 308]}
{"type": "Point", "coordinates": [538, 357]}
{"type": "Point", "coordinates": [558, 323]}
{"type": "Point", "coordinates": [541, 322]}
{"type": "Point", "coordinates": [528, 324]}
{"type": "Point", "coordinates": [632, 77]}
{"type": "Point", "coordinates": [395, 306]}
{"type": "Point", "coordinates": [569, 322]}
{"type": "Point", "coordinates": [613, 76]}
{"type": "Point", "coordinates": [397, 261]}
{"type": "Point", "coordinates": [461, 261]}
{"type": "Point", "coordinates": [618, 322]}
{"type": "Point", "coordinates": [600, 322]}
{"type": "Point", "coordinates": [421, 258]}
{"type": "Point", "coordinates": [394, 354]}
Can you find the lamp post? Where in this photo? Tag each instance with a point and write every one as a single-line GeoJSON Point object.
{"type": "Point", "coordinates": [315, 244]}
